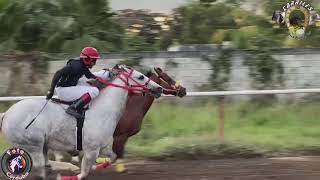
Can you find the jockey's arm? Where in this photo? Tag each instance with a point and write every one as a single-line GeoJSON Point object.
{"type": "Point", "coordinates": [89, 75]}
{"type": "Point", "coordinates": [106, 74]}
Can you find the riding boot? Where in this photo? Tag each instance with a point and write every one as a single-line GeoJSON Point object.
{"type": "Point", "coordinates": [76, 108]}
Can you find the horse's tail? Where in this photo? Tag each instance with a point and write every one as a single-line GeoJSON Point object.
{"type": "Point", "coordinates": [1, 119]}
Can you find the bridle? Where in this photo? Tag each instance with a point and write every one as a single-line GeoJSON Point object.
{"type": "Point", "coordinates": [175, 87]}
{"type": "Point", "coordinates": [125, 76]}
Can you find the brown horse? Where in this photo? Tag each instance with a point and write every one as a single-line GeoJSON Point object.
{"type": "Point", "coordinates": [136, 109]}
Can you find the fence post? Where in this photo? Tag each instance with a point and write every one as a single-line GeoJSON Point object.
{"type": "Point", "coordinates": [221, 119]}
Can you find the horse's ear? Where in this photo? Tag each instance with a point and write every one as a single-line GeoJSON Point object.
{"type": "Point", "coordinates": [119, 66]}
{"type": "Point", "coordinates": [116, 66]}
{"type": "Point", "coordinates": [274, 17]}
{"type": "Point", "coordinates": [158, 70]}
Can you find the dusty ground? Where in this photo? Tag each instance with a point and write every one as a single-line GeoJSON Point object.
{"type": "Point", "coordinates": [298, 168]}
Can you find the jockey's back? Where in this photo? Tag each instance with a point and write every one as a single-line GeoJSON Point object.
{"type": "Point", "coordinates": [71, 73]}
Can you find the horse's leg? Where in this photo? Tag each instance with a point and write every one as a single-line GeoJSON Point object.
{"type": "Point", "coordinates": [87, 163]}
{"type": "Point", "coordinates": [46, 157]}
{"type": "Point", "coordinates": [109, 152]}
{"type": "Point", "coordinates": [106, 151]}
{"type": "Point", "coordinates": [118, 147]}
{"type": "Point", "coordinates": [38, 163]}
{"type": "Point", "coordinates": [48, 167]}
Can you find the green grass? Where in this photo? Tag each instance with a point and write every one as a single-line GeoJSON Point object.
{"type": "Point", "coordinates": [3, 143]}
{"type": "Point", "coordinates": [276, 127]}
{"type": "Point", "coordinates": [189, 131]}
{"type": "Point", "coordinates": [272, 130]}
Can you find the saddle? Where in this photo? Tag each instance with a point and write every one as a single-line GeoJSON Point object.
{"type": "Point", "coordinates": [80, 121]}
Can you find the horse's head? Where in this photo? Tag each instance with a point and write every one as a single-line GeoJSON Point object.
{"type": "Point", "coordinates": [138, 81]}
{"type": "Point", "coordinates": [17, 161]}
{"type": "Point", "coordinates": [170, 86]}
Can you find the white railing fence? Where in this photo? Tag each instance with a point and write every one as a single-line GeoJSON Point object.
{"type": "Point", "coordinates": [220, 94]}
{"type": "Point", "coordinates": [207, 93]}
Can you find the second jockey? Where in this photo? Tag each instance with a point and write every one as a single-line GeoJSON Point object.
{"type": "Point", "coordinates": [65, 82]}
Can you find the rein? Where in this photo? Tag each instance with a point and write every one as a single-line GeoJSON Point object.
{"type": "Point", "coordinates": [174, 89]}
{"type": "Point", "coordinates": [138, 87]}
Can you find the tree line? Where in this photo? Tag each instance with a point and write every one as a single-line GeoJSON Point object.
{"type": "Point", "coordinates": [66, 26]}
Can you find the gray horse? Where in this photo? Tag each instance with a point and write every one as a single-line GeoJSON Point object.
{"type": "Point", "coordinates": [54, 129]}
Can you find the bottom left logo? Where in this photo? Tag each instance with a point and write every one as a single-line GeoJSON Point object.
{"type": "Point", "coordinates": [16, 163]}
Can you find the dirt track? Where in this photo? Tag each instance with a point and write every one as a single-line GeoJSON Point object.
{"type": "Point", "coordinates": [302, 168]}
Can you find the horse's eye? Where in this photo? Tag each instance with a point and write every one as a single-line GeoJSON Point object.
{"type": "Point", "coordinates": [141, 77]}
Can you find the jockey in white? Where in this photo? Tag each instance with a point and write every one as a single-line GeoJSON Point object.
{"type": "Point", "coordinates": [65, 81]}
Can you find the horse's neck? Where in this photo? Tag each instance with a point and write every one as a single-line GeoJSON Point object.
{"type": "Point", "coordinates": [140, 103]}
{"type": "Point", "coordinates": [110, 102]}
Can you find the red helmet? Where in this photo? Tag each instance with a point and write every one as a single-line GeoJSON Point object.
{"type": "Point", "coordinates": [89, 55]}
{"type": "Point", "coordinates": [89, 52]}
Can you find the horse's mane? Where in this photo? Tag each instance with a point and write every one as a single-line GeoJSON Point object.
{"type": "Point", "coordinates": [119, 67]}
{"type": "Point", "coordinates": [147, 71]}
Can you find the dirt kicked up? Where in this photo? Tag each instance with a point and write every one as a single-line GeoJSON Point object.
{"type": "Point", "coordinates": [295, 168]}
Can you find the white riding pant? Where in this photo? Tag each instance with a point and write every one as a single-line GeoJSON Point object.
{"type": "Point", "coordinates": [73, 93]}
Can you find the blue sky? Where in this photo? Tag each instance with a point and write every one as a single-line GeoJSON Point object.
{"type": "Point", "coordinates": [154, 5]}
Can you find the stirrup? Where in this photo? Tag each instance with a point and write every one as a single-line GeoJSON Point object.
{"type": "Point", "coordinates": [73, 112]}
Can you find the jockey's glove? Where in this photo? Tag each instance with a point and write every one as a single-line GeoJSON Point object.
{"type": "Point", "coordinates": [49, 95]}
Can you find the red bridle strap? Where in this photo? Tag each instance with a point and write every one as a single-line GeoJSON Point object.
{"type": "Point", "coordinates": [174, 90]}
{"type": "Point", "coordinates": [138, 87]}
{"type": "Point", "coordinates": [170, 91]}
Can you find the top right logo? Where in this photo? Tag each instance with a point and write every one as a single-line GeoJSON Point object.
{"type": "Point", "coordinates": [297, 16]}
